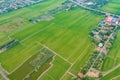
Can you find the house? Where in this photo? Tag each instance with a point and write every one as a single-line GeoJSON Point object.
{"type": "Point", "coordinates": [100, 45]}
{"type": "Point", "coordinates": [106, 37]}
{"type": "Point", "coordinates": [101, 23]}
{"type": "Point", "coordinates": [104, 51]}
{"type": "Point", "coordinates": [115, 21]}
{"type": "Point", "coordinates": [98, 49]}
{"type": "Point", "coordinates": [81, 1]}
{"type": "Point", "coordinates": [103, 31]}
{"type": "Point", "coordinates": [109, 19]}
{"type": "Point", "coordinates": [89, 3]}
{"type": "Point", "coordinates": [99, 37]}
{"type": "Point", "coordinates": [93, 73]}
{"type": "Point", "coordinates": [112, 20]}
{"type": "Point", "coordinates": [80, 74]}
{"type": "Point", "coordinates": [95, 31]}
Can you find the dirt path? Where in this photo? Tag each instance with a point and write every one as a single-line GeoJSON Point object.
{"type": "Point", "coordinates": [111, 70]}
{"type": "Point", "coordinates": [4, 73]}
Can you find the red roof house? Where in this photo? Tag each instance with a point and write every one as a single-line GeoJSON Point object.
{"type": "Point", "coordinates": [108, 19]}
{"type": "Point", "coordinates": [112, 20]}
{"type": "Point", "coordinates": [80, 74]}
{"type": "Point", "coordinates": [119, 19]}
{"type": "Point", "coordinates": [106, 37]}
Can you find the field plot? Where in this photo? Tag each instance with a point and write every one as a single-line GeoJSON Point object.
{"type": "Point", "coordinates": [113, 6]}
{"type": "Point", "coordinates": [15, 21]}
{"type": "Point", "coordinates": [112, 75]}
{"type": "Point", "coordinates": [59, 67]}
{"type": "Point", "coordinates": [67, 35]}
{"type": "Point", "coordinates": [34, 66]}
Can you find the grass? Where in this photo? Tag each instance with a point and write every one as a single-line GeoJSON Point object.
{"type": "Point", "coordinates": [26, 69]}
{"type": "Point", "coordinates": [1, 77]}
{"type": "Point", "coordinates": [68, 77]}
{"type": "Point", "coordinates": [112, 75]}
{"type": "Point", "coordinates": [116, 78]}
{"type": "Point", "coordinates": [113, 7]}
{"type": "Point", "coordinates": [7, 21]}
{"type": "Point", "coordinates": [66, 37]}
{"type": "Point", "coordinates": [3, 38]}
{"type": "Point", "coordinates": [35, 75]}
{"type": "Point", "coordinates": [17, 55]}
{"type": "Point", "coordinates": [57, 70]}
{"type": "Point", "coordinates": [67, 34]}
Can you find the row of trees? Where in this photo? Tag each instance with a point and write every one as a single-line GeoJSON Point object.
{"type": "Point", "coordinates": [10, 44]}
{"type": "Point", "coordinates": [67, 5]}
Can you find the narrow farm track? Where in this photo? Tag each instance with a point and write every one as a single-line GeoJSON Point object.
{"type": "Point", "coordinates": [74, 63]}
{"type": "Point", "coordinates": [55, 53]}
{"type": "Point", "coordinates": [111, 70]}
{"type": "Point", "coordinates": [115, 78]}
{"type": "Point", "coordinates": [4, 73]}
{"type": "Point", "coordinates": [95, 10]}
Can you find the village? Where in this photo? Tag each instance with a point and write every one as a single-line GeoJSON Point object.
{"type": "Point", "coordinates": [103, 37]}
{"type": "Point", "coordinates": [10, 5]}
{"type": "Point", "coordinates": [92, 3]}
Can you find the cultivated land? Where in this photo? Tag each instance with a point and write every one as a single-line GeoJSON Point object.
{"type": "Point", "coordinates": [66, 36]}
{"type": "Point", "coordinates": [12, 22]}
{"type": "Point", "coordinates": [113, 6]}
{"type": "Point", "coordinates": [9, 19]}
{"type": "Point", "coordinates": [63, 35]}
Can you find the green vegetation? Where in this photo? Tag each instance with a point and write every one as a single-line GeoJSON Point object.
{"type": "Point", "coordinates": [113, 56]}
{"type": "Point", "coordinates": [55, 34]}
{"type": "Point", "coordinates": [113, 6]}
{"type": "Point", "coordinates": [11, 23]}
{"type": "Point", "coordinates": [23, 49]}
{"type": "Point", "coordinates": [33, 67]}
{"type": "Point", "coordinates": [66, 34]}
{"type": "Point", "coordinates": [111, 75]}
{"type": "Point", "coordinates": [57, 70]}
{"type": "Point", "coordinates": [1, 77]}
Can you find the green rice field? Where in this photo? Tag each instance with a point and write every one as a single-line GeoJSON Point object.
{"type": "Point", "coordinates": [67, 35]}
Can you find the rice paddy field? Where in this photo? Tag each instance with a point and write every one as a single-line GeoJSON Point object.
{"type": "Point", "coordinates": [68, 38]}
{"type": "Point", "coordinates": [113, 6]}
{"type": "Point", "coordinates": [67, 35]}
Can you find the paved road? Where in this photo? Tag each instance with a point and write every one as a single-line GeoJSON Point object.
{"type": "Point", "coordinates": [95, 10]}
